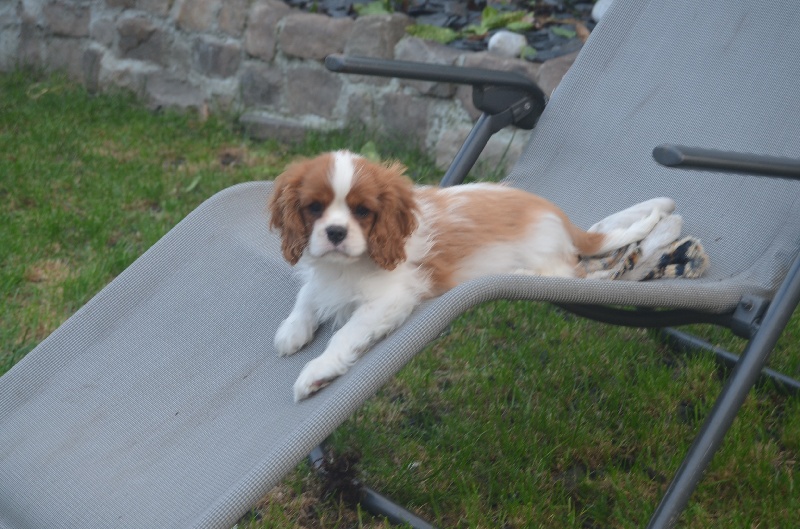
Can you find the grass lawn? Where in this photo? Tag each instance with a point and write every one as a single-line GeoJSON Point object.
{"type": "Point", "coordinates": [520, 416]}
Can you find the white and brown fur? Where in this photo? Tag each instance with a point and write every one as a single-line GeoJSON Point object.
{"type": "Point", "coordinates": [371, 246]}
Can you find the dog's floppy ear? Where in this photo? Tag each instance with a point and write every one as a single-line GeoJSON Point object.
{"type": "Point", "coordinates": [286, 214]}
{"type": "Point", "coordinates": [395, 220]}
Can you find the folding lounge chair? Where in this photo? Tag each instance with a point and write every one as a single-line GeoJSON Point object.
{"type": "Point", "coordinates": [161, 403]}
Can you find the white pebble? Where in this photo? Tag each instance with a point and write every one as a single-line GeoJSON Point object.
{"type": "Point", "coordinates": [507, 43]}
{"type": "Point", "coordinates": [599, 9]}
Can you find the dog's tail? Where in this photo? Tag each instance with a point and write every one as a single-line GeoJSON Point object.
{"type": "Point", "coordinates": [621, 229]}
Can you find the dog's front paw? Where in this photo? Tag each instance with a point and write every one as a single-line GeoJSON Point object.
{"type": "Point", "coordinates": [292, 334]}
{"type": "Point", "coordinates": [317, 374]}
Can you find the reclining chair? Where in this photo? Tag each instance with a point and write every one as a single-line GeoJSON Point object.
{"type": "Point", "coordinates": [161, 403]}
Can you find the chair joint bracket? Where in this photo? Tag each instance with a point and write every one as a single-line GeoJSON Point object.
{"type": "Point", "coordinates": [746, 318]}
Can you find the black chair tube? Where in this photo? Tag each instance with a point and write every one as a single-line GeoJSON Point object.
{"type": "Point", "coordinates": [380, 505]}
{"type": "Point", "coordinates": [684, 341]}
{"type": "Point", "coordinates": [469, 152]}
{"type": "Point", "coordinates": [440, 73]}
{"type": "Point", "coordinates": [695, 158]}
{"type": "Point", "coordinates": [747, 370]}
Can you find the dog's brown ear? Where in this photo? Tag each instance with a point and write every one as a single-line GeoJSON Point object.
{"type": "Point", "coordinates": [286, 213]}
{"type": "Point", "coordinates": [395, 219]}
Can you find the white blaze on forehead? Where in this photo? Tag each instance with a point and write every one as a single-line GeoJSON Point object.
{"type": "Point", "coordinates": [342, 174]}
{"type": "Point", "coordinates": [341, 177]}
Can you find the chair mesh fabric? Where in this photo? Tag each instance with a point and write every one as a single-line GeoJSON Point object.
{"type": "Point", "coordinates": [162, 403]}
{"type": "Point", "coordinates": [704, 74]}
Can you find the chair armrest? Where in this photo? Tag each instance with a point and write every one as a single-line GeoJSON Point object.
{"type": "Point", "coordinates": [494, 92]}
{"type": "Point", "coordinates": [695, 158]}
{"type": "Point", "coordinates": [430, 72]}
{"type": "Point", "coordinates": [504, 98]}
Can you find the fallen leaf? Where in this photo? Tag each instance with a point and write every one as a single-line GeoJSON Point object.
{"type": "Point", "coordinates": [582, 31]}
{"type": "Point", "coordinates": [192, 185]}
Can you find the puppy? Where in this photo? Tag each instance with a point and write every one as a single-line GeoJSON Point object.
{"type": "Point", "coordinates": [371, 246]}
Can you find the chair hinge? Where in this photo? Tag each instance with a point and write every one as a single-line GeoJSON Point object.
{"type": "Point", "coordinates": [522, 109]}
{"type": "Point", "coordinates": [746, 318]}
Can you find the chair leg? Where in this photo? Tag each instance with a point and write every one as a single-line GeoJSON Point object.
{"type": "Point", "coordinates": [379, 505]}
{"type": "Point", "coordinates": [467, 155]}
{"type": "Point", "coordinates": [730, 400]}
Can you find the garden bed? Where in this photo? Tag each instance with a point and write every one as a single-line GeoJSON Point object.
{"type": "Point", "coordinates": [551, 28]}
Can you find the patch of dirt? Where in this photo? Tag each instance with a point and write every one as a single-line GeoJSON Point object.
{"type": "Point", "coordinates": [47, 271]}
{"type": "Point", "coordinates": [326, 498]}
{"type": "Point", "coordinates": [232, 156]}
{"type": "Point", "coordinates": [114, 150]}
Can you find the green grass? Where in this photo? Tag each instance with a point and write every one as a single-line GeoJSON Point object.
{"type": "Point", "coordinates": [520, 416]}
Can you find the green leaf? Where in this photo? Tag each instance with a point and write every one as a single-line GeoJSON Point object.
{"type": "Point", "coordinates": [192, 185]}
{"type": "Point", "coordinates": [472, 29]}
{"type": "Point", "coordinates": [370, 151]}
{"type": "Point", "coordinates": [562, 31]}
{"type": "Point", "coordinates": [528, 53]}
{"type": "Point", "coordinates": [488, 12]}
{"type": "Point", "coordinates": [520, 26]}
{"type": "Point", "coordinates": [372, 8]}
{"type": "Point", "coordinates": [435, 33]}
{"type": "Point", "coordinates": [501, 19]}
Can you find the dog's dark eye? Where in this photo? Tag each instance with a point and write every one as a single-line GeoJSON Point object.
{"type": "Point", "coordinates": [315, 208]}
{"type": "Point", "coordinates": [361, 211]}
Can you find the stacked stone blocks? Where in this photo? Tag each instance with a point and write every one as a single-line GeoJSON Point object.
{"type": "Point", "coordinates": [258, 58]}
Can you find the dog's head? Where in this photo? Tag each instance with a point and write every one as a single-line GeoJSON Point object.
{"type": "Point", "coordinates": [341, 207]}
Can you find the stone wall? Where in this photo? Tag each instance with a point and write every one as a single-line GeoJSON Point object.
{"type": "Point", "coordinates": [259, 59]}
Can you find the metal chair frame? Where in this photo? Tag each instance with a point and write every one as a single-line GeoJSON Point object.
{"type": "Point", "coordinates": [507, 98]}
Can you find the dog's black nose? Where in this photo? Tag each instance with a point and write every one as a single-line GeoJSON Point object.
{"type": "Point", "coordinates": [336, 234]}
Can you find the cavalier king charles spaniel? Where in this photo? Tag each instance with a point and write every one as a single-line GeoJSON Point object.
{"type": "Point", "coordinates": [371, 246]}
